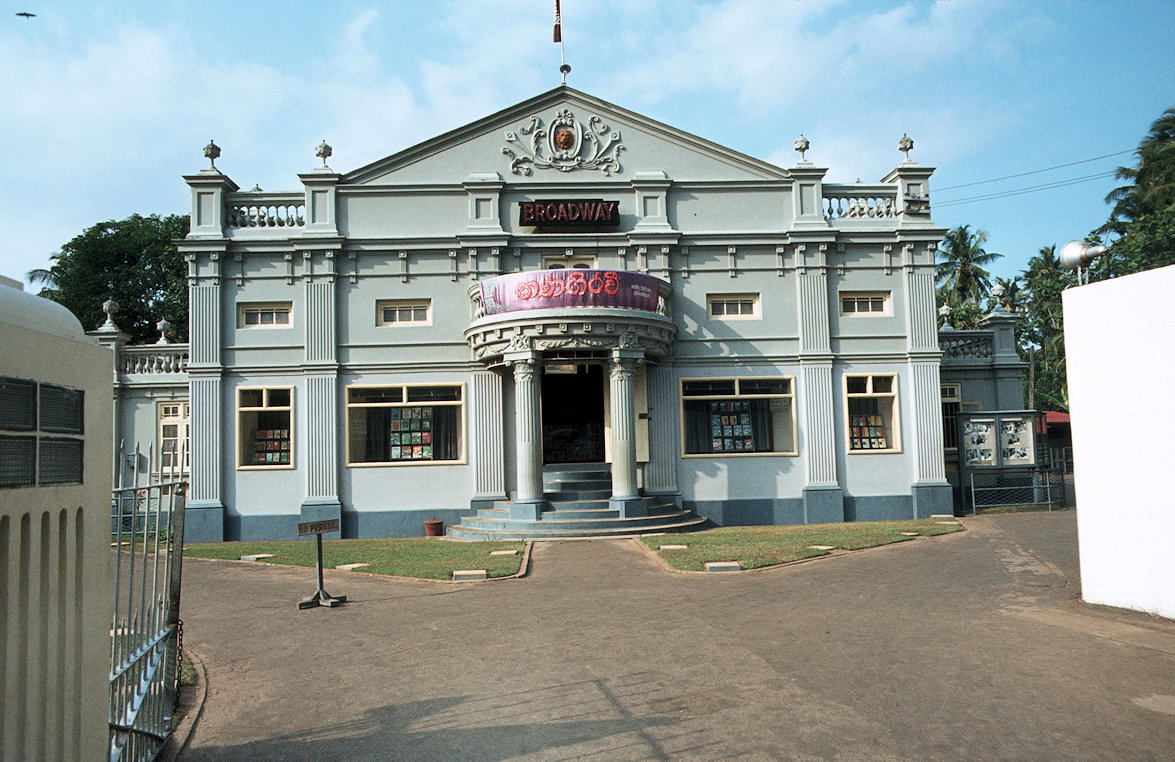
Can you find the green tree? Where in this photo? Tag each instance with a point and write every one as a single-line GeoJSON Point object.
{"type": "Point", "coordinates": [961, 258]}
{"type": "Point", "coordinates": [135, 261]}
{"type": "Point", "coordinates": [1042, 334]}
{"type": "Point", "coordinates": [1152, 183]}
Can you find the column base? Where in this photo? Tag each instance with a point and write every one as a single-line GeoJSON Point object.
{"type": "Point", "coordinates": [204, 521]}
{"type": "Point", "coordinates": [526, 510]}
{"type": "Point", "coordinates": [323, 510]}
{"type": "Point", "coordinates": [824, 505]}
{"type": "Point", "coordinates": [932, 499]}
{"type": "Point", "coordinates": [629, 507]}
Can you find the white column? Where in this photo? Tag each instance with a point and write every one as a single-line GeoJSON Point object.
{"type": "Point", "coordinates": [623, 429]}
{"type": "Point", "coordinates": [528, 438]}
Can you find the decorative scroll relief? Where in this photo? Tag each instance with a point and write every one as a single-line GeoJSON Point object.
{"type": "Point", "coordinates": [565, 145]}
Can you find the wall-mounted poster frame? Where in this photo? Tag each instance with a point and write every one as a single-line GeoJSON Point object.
{"type": "Point", "coordinates": [999, 439]}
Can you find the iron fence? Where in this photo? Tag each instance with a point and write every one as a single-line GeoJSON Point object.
{"type": "Point", "coordinates": [147, 536]}
{"type": "Point", "coordinates": [1000, 489]}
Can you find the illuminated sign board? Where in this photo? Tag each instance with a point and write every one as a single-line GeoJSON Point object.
{"type": "Point", "coordinates": [593, 213]}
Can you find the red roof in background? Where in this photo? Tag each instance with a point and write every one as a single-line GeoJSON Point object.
{"type": "Point", "coordinates": [1052, 417]}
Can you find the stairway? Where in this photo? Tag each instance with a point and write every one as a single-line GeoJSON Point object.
{"type": "Point", "coordinates": [578, 497]}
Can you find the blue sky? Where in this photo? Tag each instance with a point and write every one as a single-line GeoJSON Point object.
{"type": "Point", "coordinates": [104, 106]}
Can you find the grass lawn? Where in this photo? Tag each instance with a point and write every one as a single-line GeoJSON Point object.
{"type": "Point", "coordinates": [756, 547]}
{"type": "Point", "coordinates": [427, 558]}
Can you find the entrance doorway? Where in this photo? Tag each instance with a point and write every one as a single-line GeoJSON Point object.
{"type": "Point", "coordinates": [573, 413]}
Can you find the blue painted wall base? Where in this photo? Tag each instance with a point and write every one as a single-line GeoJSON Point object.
{"type": "Point", "coordinates": [204, 522]}
{"type": "Point", "coordinates": [824, 505]}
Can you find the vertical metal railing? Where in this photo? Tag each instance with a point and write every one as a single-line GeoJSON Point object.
{"type": "Point", "coordinates": [147, 537]}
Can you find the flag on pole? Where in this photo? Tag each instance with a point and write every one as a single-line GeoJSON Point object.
{"type": "Point", "coordinates": [558, 23]}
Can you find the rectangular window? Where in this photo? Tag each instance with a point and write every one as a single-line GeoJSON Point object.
{"type": "Point", "coordinates": [573, 262]}
{"type": "Point", "coordinates": [872, 413]}
{"type": "Point", "coordinates": [732, 306]}
{"type": "Point", "coordinates": [405, 424]}
{"type": "Point", "coordinates": [41, 427]}
{"type": "Point", "coordinates": [738, 416]}
{"type": "Point", "coordinates": [861, 303]}
{"type": "Point", "coordinates": [265, 423]}
{"type": "Point", "coordinates": [173, 436]}
{"type": "Point", "coordinates": [267, 315]}
{"type": "Point", "coordinates": [951, 400]}
{"type": "Point", "coordinates": [404, 311]}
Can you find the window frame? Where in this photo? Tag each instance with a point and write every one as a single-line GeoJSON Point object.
{"type": "Point", "coordinates": [738, 395]}
{"type": "Point", "coordinates": [398, 304]}
{"type": "Point", "coordinates": [265, 407]}
{"type": "Point", "coordinates": [726, 299]}
{"type": "Point", "coordinates": [460, 404]}
{"type": "Point", "coordinates": [858, 296]}
{"type": "Point", "coordinates": [183, 437]}
{"type": "Point", "coordinates": [895, 437]}
{"type": "Point", "coordinates": [244, 308]}
{"type": "Point", "coordinates": [949, 422]}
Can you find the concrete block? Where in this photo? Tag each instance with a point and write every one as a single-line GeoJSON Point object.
{"type": "Point", "coordinates": [503, 552]}
{"type": "Point", "coordinates": [349, 567]}
{"type": "Point", "coordinates": [469, 575]}
{"type": "Point", "coordinates": [822, 547]}
{"type": "Point", "coordinates": [723, 566]}
{"type": "Point", "coordinates": [256, 556]}
{"type": "Point", "coordinates": [673, 547]}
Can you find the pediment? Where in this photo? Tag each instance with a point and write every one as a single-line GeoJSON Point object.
{"type": "Point", "coordinates": [563, 137]}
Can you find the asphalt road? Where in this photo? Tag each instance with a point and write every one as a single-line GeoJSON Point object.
{"type": "Point", "coordinates": [967, 646]}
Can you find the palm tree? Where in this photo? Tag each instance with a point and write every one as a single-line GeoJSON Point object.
{"type": "Point", "coordinates": [1152, 182]}
{"type": "Point", "coordinates": [960, 264]}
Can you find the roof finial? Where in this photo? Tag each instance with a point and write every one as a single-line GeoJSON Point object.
{"type": "Point", "coordinates": [565, 69]}
{"type": "Point", "coordinates": [802, 145]}
{"type": "Point", "coordinates": [905, 145]}
{"type": "Point", "coordinates": [212, 153]}
{"type": "Point", "coordinates": [323, 152]}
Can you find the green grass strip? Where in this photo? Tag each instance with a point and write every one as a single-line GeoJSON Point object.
{"type": "Point", "coordinates": [759, 546]}
{"type": "Point", "coordinates": [426, 558]}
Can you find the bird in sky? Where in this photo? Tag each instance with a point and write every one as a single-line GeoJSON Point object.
{"type": "Point", "coordinates": [26, 14]}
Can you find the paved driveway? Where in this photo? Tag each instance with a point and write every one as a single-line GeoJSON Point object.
{"type": "Point", "coordinates": [969, 646]}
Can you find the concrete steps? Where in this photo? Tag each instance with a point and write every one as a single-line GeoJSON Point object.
{"type": "Point", "coordinates": [577, 494]}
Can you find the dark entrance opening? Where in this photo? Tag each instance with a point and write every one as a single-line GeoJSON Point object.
{"type": "Point", "coordinates": [573, 413]}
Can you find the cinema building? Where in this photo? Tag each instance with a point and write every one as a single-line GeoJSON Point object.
{"type": "Point", "coordinates": [565, 318]}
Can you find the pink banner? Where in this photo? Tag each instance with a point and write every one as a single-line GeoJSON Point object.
{"type": "Point", "coordinates": [554, 289]}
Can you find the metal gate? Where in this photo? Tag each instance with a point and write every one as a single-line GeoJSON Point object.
{"type": "Point", "coordinates": [148, 536]}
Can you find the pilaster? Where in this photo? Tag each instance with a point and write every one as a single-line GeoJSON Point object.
{"type": "Point", "coordinates": [651, 187]}
{"type": "Point", "coordinates": [208, 209]}
{"type": "Point", "coordinates": [484, 190]}
{"type": "Point", "coordinates": [823, 499]}
{"type": "Point", "coordinates": [808, 197]}
{"type": "Point", "coordinates": [661, 470]}
{"type": "Point", "coordinates": [321, 201]}
{"type": "Point", "coordinates": [320, 420]}
{"type": "Point", "coordinates": [486, 441]}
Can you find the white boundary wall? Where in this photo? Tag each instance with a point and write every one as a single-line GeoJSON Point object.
{"type": "Point", "coordinates": [1120, 345]}
{"type": "Point", "coordinates": [55, 557]}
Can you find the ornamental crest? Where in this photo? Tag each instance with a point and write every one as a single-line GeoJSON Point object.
{"type": "Point", "coordinates": [565, 144]}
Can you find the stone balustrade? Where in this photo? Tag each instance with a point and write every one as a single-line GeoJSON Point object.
{"type": "Point", "coordinates": [966, 344]}
{"type": "Point", "coordinates": [266, 210]}
{"type": "Point", "coordinates": [152, 360]}
{"type": "Point", "coordinates": [860, 202]}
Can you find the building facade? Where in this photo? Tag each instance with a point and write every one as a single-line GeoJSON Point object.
{"type": "Point", "coordinates": [562, 282]}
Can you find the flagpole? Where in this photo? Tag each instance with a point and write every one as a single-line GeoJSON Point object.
{"type": "Point", "coordinates": [563, 67]}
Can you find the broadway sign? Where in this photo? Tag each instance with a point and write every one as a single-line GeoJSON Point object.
{"type": "Point", "coordinates": [591, 213]}
{"type": "Point", "coordinates": [554, 289]}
